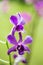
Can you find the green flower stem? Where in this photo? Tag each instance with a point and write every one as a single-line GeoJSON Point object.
{"type": "Point", "coordinates": [9, 55]}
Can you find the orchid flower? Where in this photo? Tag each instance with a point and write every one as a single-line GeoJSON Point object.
{"type": "Point", "coordinates": [20, 58]}
{"type": "Point", "coordinates": [39, 8]}
{"type": "Point", "coordinates": [18, 23]}
{"type": "Point", "coordinates": [19, 46]}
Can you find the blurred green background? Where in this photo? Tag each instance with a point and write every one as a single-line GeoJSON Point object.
{"type": "Point", "coordinates": [34, 28]}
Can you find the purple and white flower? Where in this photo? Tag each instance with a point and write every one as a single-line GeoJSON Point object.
{"type": "Point", "coordinates": [20, 58]}
{"type": "Point", "coordinates": [18, 23]}
{"type": "Point", "coordinates": [19, 46]}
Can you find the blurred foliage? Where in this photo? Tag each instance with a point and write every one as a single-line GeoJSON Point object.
{"type": "Point", "coordinates": [21, 1]}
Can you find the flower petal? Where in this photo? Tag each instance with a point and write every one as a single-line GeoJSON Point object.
{"type": "Point", "coordinates": [19, 58]}
{"type": "Point", "coordinates": [28, 40]}
{"type": "Point", "coordinates": [15, 56]}
{"type": "Point", "coordinates": [11, 50]}
{"type": "Point", "coordinates": [20, 52]}
{"type": "Point", "coordinates": [20, 19]}
{"type": "Point", "coordinates": [24, 61]}
{"type": "Point", "coordinates": [27, 49]}
{"type": "Point", "coordinates": [39, 8]}
{"type": "Point", "coordinates": [14, 20]}
{"type": "Point", "coordinates": [12, 39]}
{"type": "Point", "coordinates": [13, 31]}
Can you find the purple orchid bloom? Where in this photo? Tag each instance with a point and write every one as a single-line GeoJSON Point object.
{"type": "Point", "coordinates": [18, 23]}
{"type": "Point", "coordinates": [20, 58]}
{"type": "Point", "coordinates": [39, 8]}
{"type": "Point", "coordinates": [19, 46]}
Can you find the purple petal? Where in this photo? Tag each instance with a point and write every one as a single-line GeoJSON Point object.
{"type": "Point", "coordinates": [24, 61]}
{"type": "Point", "coordinates": [28, 40]}
{"type": "Point", "coordinates": [13, 31]}
{"type": "Point", "coordinates": [19, 27]}
{"type": "Point", "coordinates": [27, 49]}
{"type": "Point", "coordinates": [12, 39]}
{"type": "Point", "coordinates": [22, 22]}
{"type": "Point", "coordinates": [20, 19]}
{"type": "Point", "coordinates": [39, 5]}
{"type": "Point", "coordinates": [14, 20]}
{"type": "Point", "coordinates": [15, 56]}
{"type": "Point", "coordinates": [21, 52]}
{"type": "Point", "coordinates": [11, 50]}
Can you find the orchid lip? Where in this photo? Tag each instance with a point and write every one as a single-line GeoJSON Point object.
{"type": "Point", "coordinates": [20, 47]}
{"type": "Point", "coordinates": [19, 27]}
